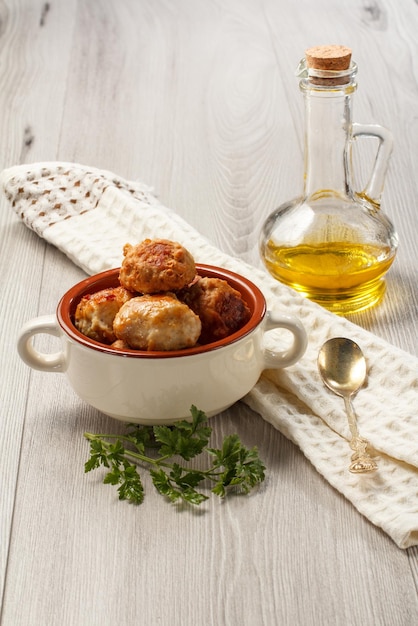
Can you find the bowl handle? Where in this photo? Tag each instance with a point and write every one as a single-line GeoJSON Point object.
{"type": "Point", "coordinates": [48, 325]}
{"type": "Point", "coordinates": [277, 359]}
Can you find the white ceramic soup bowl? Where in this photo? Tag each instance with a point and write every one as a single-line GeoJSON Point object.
{"type": "Point", "coordinates": [160, 387]}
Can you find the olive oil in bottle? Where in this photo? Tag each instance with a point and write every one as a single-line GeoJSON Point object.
{"type": "Point", "coordinates": [334, 245]}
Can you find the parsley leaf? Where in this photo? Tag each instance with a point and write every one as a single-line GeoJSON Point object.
{"type": "Point", "coordinates": [186, 439]}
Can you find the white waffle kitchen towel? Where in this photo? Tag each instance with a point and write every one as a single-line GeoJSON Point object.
{"type": "Point", "coordinates": [89, 214]}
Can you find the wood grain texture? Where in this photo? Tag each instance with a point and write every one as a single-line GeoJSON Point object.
{"type": "Point", "coordinates": [199, 99]}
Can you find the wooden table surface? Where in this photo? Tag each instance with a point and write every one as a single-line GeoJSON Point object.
{"type": "Point", "coordinates": [199, 99]}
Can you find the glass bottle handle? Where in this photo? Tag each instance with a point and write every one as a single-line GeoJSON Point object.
{"type": "Point", "coordinates": [374, 188]}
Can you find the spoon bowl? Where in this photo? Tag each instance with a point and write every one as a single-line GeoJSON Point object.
{"type": "Point", "coordinates": [343, 369]}
{"type": "Point", "coordinates": [342, 366]}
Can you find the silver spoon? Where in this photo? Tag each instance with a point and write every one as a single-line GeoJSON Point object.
{"type": "Point", "coordinates": [342, 367]}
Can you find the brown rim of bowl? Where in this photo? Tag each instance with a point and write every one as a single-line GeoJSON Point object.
{"type": "Point", "coordinates": [110, 278]}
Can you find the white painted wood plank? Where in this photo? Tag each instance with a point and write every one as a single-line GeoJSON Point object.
{"type": "Point", "coordinates": [31, 101]}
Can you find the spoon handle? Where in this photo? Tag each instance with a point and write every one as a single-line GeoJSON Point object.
{"type": "Point", "coordinates": [352, 420]}
{"type": "Point", "coordinates": [361, 462]}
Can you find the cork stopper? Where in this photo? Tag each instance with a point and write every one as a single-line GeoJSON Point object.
{"type": "Point", "coordinates": [330, 59]}
{"type": "Point", "coordinates": [333, 58]}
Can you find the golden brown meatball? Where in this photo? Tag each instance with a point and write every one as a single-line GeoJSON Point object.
{"type": "Point", "coordinates": [219, 306]}
{"type": "Point", "coordinates": [157, 322]}
{"type": "Point", "coordinates": [95, 313]}
{"type": "Point", "coordinates": [119, 345]}
{"type": "Point", "coordinates": [156, 265]}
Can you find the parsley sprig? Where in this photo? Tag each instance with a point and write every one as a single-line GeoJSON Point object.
{"type": "Point", "coordinates": [157, 447]}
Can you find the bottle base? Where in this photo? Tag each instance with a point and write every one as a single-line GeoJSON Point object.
{"type": "Point", "coordinates": [349, 302]}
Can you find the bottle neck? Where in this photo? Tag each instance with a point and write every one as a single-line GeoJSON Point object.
{"type": "Point", "coordinates": [328, 123]}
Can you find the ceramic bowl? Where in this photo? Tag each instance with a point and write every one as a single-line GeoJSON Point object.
{"type": "Point", "coordinates": [160, 387]}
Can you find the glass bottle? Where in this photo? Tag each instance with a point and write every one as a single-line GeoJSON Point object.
{"type": "Point", "coordinates": [333, 244]}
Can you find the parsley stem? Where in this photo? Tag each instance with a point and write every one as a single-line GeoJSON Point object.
{"type": "Point", "coordinates": [92, 437]}
{"type": "Point", "coordinates": [211, 474]}
{"type": "Point", "coordinates": [147, 459]}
